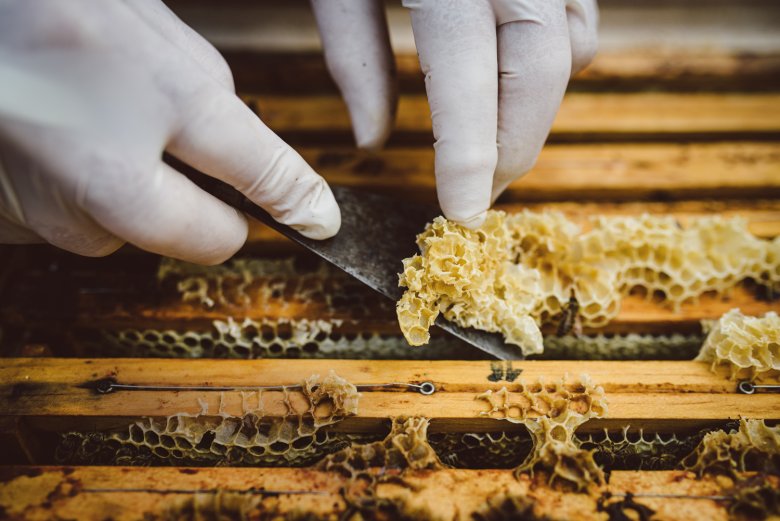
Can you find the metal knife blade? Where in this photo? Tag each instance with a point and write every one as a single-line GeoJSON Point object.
{"type": "Point", "coordinates": [376, 234]}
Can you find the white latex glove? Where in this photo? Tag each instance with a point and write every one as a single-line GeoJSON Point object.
{"type": "Point", "coordinates": [495, 73]}
{"type": "Point", "coordinates": [357, 51]}
{"type": "Point", "coordinates": [91, 94]}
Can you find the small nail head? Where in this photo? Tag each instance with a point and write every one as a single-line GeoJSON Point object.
{"type": "Point", "coordinates": [104, 386]}
{"type": "Point", "coordinates": [746, 387]}
{"type": "Point", "coordinates": [427, 388]}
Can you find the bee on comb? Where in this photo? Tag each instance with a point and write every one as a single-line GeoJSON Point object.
{"type": "Point", "coordinates": [570, 318]}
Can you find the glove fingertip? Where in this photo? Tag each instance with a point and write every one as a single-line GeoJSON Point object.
{"type": "Point", "coordinates": [371, 137]}
{"type": "Point", "coordinates": [472, 223]}
{"type": "Point", "coordinates": [324, 216]}
{"type": "Point", "coordinates": [372, 123]}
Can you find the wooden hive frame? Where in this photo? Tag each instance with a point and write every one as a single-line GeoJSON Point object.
{"type": "Point", "coordinates": [661, 131]}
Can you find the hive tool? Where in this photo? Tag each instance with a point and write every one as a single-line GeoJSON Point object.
{"type": "Point", "coordinates": [377, 233]}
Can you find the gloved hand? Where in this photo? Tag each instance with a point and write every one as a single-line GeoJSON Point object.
{"type": "Point", "coordinates": [92, 94]}
{"type": "Point", "coordinates": [495, 72]}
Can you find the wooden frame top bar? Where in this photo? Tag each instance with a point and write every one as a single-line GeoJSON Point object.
{"type": "Point", "coordinates": [655, 395]}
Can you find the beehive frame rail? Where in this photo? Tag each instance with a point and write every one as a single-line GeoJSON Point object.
{"type": "Point", "coordinates": [96, 492]}
{"type": "Point", "coordinates": [54, 394]}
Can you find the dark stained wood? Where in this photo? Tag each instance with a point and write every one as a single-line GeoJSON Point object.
{"type": "Point", "coordinates": [304, 72]}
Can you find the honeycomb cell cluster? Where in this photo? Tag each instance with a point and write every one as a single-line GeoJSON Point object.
{"type": "Point", "coordinates": [468, 276]}
{"type": "Point", "coordinates": [212, 439]}
{"type": "Point", "coordinates": [264, 338]}
{"type": "Point", "coordinates": [623, 449]}
{"type": "Point", "coordinates": [520, 271]}
{"type": "Point", "coordinates": [637, 450]}
{"type": "Point", "coordinates": [753, 446]}
{"type": "Point", "coordinates": [475, 450]}
{"type": "Point", "coordinates": [628, 346]}
{"type": "Point", "coordinates": [405, 447]}
{"type": "Point", "coordinates": [552, 413]}
{"type": "Point", "coordinates": [320, 339]}
{"type": "Point", "coordinates": [263, 309]}
{"type": "Point", "coordinates": [748, 346]}
{"type": "Point", "coordinates": [754, 497]}
{"type": "Point", "coordinates": [270, 286]}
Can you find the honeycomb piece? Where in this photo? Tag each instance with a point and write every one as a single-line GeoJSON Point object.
{"type": "Point", "coordinates": [281, 338]}
{"type": "Point", "coordinates": [630, 346]}
{"type": "Point", "coordinates": [552, 413]}
{"type": "Point", "coordinates": [265, 338]}
{"type": "Point", "coordinates": [530, 401]}
{"type": "Point", "coordinates": [195, 445]}
{"type": "Point", "coordinates": [748, 346]}
{"type": "Point", "coordinates": [556, 451]}
{"type": "Point", "coordinates": [468, 276]}
{"type": "Point", "coordinates": [754, 497]}
{"type": "Point", "coordinates": [214, 439]}
{"type": "Point", "coordinates": [520, 271]}
{"type": "Point", "coordinates": [245, 284]}
{"type": "Point", "coordinates": [206, 285]}
{"type": "Point", "coordinates": [624, 450]}
{"type": "Point", "coordinates": [754, 446]}
{"type": "Point", "coordinates": [475, 450]}
{"type": "Point", "coordinates": [365, 466]}
{"type": "Point", "coordinates": [341, 396]}
{"type": "Point", "coordinates": [405, 447]}
{"type": "Point", "coordinates": [615, 450]}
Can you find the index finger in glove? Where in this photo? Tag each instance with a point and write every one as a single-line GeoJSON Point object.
{"type": "Point", "coordinates": [220, 136]}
